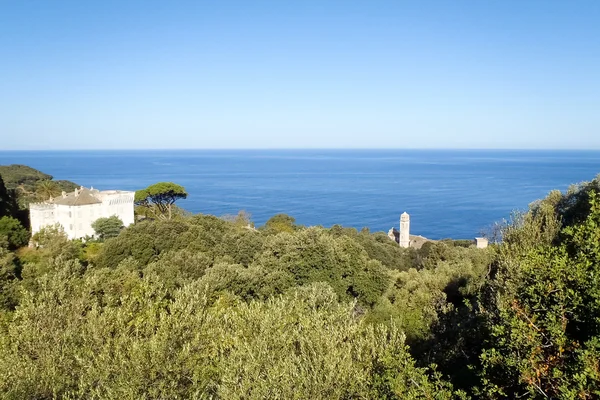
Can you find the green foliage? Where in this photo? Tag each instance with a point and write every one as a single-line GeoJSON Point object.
{"type": "Point", "coordinates": [280, 223]}
{"type": "Point", "coordinates": [9, 204]}
{"type": "Point", "coordinates": [46, 190]}
{"type": "Point", "coordinates": [432, 254]}
{"type": "Point", "coordinates": [574, 206]}
{"type": "Point", "coordinates": [14, 232]}
{"type": "Point", "coordinates": [241, 245]}
{"type": "Point", "coordinates": [52, 247]}
{"type": "Point", "coordinates": [91, 250]}
{"type": "Point", "coordinates": [28, 184]}
{"type": "Point", "coordinates": [462, 243]}
{"type": "Point", "coordinates": [545, 318]}
{"type": "Point", "coordinates": [180, 306]}
{"type": "Point", "coordinates": [242, 219]}
{"type": "Point", "coordinates": [143, 241]}
{"type": "Point", "coordinates": [16, 175]}
{"type": "Point", "coordinates": [419, 298]}
{"type": "Point", "coordinates": [379, 247]}
{"type": "Point", "coordinates": [160, 197]}
{"type": "Point", "coordinates": [9, 273]}
{"type": "Point", "coordinates": [71, 339]}
{"type": "Point", "coordinates": [312, 255]}
{"type": "Point", "coordinates": [107, 228]}
{"type": "Point", "coordinates": [5, 200]}
{"type": "Point", "coordinates": [247, 262]}
{"type": "Point", "coordinates": [176, 268]}
{"type": "Point", "coordinates": [18, 185]}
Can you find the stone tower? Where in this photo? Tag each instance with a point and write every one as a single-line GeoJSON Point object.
{"type": "Point", "coordinates": [404, 230]}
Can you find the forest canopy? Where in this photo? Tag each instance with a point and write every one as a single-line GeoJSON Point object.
{"type": "Point", "coordinates": [21, 185]}
{"type": "Point", "coordinates": [196, 306]}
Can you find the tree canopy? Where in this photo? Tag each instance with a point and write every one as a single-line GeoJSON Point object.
{"type": "Point", "coordinates": [46, 190]}
{"type": "Point", "coordinates": [107, 228]}
{"type": "Point", "coordinates": [14, 232]}
{"type": "Point", "coordinates": [280, 223]}
{"type": "Point", "coordinates": [5, 200]}
{"type": "Point", "coordinates": [160, 197]}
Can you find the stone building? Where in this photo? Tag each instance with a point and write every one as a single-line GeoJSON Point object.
{"type": "Point", "coordinates": [405, 239]}
{"type": "Point", "coordinates": [481, 242]}
{"type": "Point", "coordinates": [404, 230]}
{"type": "Point", "coordinates": [76, 211]}
{"type": "Point", "coordinates": [403, 236]}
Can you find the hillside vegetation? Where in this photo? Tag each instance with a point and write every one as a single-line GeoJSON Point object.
{"type": "Point", "coordinates": [205, 307]}
{"type": "Point", "coordinates": [27, 179]}
{"type": "Point", "coordinates": [21, 185]}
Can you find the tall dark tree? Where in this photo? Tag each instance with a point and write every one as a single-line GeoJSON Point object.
{"type": "Point", "coordinates": [14, 232]}
{"type": "Point", "coordinates": [9, 205]}
{"type": "Point", "coordinates": [4, 199]}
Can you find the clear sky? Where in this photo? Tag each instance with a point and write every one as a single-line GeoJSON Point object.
{"type": "Point", "coordinates": [299, 74]}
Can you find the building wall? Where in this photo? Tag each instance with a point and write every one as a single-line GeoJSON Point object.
{"type": "Point", "coordinates": [119, 204]}
{"type": "Point", "coordinates": [77, 220]}
{"type": "Point", "coordinates": [481, 243]}
{"type": "Point", "coordinates": [41, 215]}
{"type": "Point", "coordinates": [64, 216]}
{"type": "Point", "coordinates": [404, 230]}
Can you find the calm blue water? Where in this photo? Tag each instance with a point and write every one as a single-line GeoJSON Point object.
{"type": "Point", "coordinates": [448, 193]}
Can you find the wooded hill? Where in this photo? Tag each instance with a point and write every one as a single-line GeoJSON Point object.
{"type": "Point", "coordinates": [30, 184]}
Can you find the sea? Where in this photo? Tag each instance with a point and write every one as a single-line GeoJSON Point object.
{"type": "Point", "coordinates": [448, 193]}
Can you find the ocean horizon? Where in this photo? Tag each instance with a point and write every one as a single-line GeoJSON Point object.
{"type": "Point", "coordinates": [448, 193]}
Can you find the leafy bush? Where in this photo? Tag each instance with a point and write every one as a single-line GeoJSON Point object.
{"type": "Point", "coordinates": [69, 340]}
{"type": "Point", "coordinates": [107, 228]}
{"type": "Point", "coordinates": [544, 310]}
{"type": "Point", "coordinates": [14, 232]}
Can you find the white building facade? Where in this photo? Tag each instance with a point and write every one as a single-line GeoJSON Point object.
{"type": "Point", "coordinates": [76, 211]}
{"type": "Point", "coordinates": [481, 242]}
{"type": "Point", "coordinates": [404, 230]}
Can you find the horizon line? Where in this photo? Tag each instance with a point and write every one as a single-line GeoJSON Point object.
{"type": "Point", "coordinates": [306, 149]}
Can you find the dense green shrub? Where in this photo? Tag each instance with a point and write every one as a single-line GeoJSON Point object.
{"type": "Point", "coordinates": [544, 312]}
{"type": "Point", "coordinates": [107, 228]}
{"type": "Point", "coordinates": [69, 340]}
{"type": "Point", "coordinates": [9, 273]}
{"type": "Point", "coordinates": [15, 233]}
{"type": "Point", "coordinates": [312, 255]}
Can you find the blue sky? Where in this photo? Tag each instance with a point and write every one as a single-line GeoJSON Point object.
{"type": "Point", "coordinates": [299, 74]}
